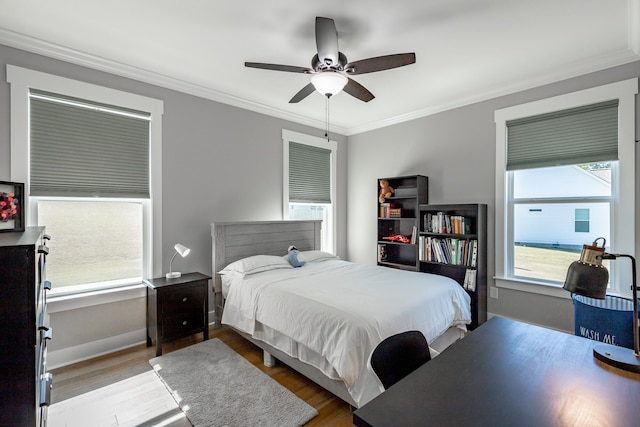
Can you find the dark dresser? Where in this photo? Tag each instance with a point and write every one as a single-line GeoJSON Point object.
{"type": "Point", "coordinates": [25, 384]}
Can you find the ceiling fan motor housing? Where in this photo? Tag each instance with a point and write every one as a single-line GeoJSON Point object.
{"type": "Point", "coordinates": [328, 64]}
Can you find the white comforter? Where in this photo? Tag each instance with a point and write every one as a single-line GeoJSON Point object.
{"type": "Point", "coordinates": [342, 310]}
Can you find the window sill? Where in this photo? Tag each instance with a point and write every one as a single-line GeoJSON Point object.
{"type": "Point", "coordinates": [540, 288]}
{"type": "Point", "coordinates": [87, 299]}
{"type": "Point", "coordinates": [532, 286]}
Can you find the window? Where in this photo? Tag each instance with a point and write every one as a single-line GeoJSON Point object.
{"type": "Point", "coordinates": [309, 182]}
{"type": "Point", "coordinates": [565, 171]}
{"type": "Point", "coordinates": [90, 158]}
{"type": "Point", "coordinates": [582, 221]}
{"type": "Point", "coordinates": [551, 218]}
{"type": "Point", "coordinates": [95, 242]}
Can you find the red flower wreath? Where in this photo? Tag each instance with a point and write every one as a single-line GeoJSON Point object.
{"type": "Point", "coordinates": [8, 206]}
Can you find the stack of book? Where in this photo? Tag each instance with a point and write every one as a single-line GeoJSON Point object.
{"type": "Point", "coordinates": [446, 224]}
{"type": "Point", "coordinates": [395, 212]}
{"type": "Point", "coordinates": [448, 250]}
{"type": "Point", "coordinates": [385, 210]}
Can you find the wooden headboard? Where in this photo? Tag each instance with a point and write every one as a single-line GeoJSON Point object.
{"type": "Point", "coordinates": [231, 241]}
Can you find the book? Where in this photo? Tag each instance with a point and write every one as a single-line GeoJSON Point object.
{"type": "Point", "coordinates": [437, 250]}
{"type": "Point", "coordinates": [469, 282]}
{"type": "Point", "coordinates": [474, 253]}
{"type": "Point", "coordinates": [454, 251]}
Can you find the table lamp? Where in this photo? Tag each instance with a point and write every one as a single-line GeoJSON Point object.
{"type": "Point", "coordinates": [183, 251]}
{"type": "Point", "coordinates": [588, 277]}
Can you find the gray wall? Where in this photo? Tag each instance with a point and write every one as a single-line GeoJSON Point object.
{"type": "Point", "coordinates": [206, 167]}
{"type": "Point", "coordinates": [220, 163]}
{"type": "Point", "coordinates": [456, 150]}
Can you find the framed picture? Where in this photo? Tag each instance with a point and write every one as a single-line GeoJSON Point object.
{"type": "Point", "coordinates": [11, 206]}
{"type": "Point", "coordinates": [382, 252]}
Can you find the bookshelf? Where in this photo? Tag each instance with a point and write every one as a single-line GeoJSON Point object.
{"type": "Point", "coordinates": [453, 242]}
{"type": "Point", "coordinates": [398, 218]}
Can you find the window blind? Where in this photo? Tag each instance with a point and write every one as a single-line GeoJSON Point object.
{"type": "Point", "coordinates": [584, 134]}
{"type": "Point", "coordinates": [83, 149]}
{"type": "Point", "coordinates": [309, 174]}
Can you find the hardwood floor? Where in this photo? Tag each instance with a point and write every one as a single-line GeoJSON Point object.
{"type": "Point", "coordinates": [74, 380]}
{"type": "Point", "coordinates": [141, 400]}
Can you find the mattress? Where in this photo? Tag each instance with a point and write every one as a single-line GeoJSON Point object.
{"type": "Point", "coordinates": [332, 314]}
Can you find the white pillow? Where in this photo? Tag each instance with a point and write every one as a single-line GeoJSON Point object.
{"type": "Point", "coordinates": [256, 264]}
{"type": "Point", "coordinates": [313, 256]}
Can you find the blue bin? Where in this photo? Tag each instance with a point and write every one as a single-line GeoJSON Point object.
{"type": "Point", "coordinates": [609, 320]}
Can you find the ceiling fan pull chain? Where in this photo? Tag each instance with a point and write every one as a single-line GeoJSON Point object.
{"type": "Point", "coordinates": [327, 117]}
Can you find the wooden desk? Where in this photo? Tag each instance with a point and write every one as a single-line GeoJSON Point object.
{"type": "Point", "coordinates": [508, 373]}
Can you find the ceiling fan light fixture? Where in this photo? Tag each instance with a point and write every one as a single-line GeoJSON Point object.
{"type": "Point", "coordinates": [329, 83]}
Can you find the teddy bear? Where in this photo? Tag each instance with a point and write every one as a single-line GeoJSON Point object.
{"type": "Point", "coordinates": [385, 190]}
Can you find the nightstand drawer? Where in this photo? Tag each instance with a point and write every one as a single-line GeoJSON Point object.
{"type": "Point", "coordinates": [180, 324]}
{"type": "Point", "coordinates": [183, 298]}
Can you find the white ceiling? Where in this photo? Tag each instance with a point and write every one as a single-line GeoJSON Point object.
{"type": "Point", "coordinates": [466, 50]}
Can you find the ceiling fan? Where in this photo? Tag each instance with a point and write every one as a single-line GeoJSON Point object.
{"type": "Point", "coordinates": [330, 69]}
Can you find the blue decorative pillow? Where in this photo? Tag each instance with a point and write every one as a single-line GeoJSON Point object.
{"type": "Point", "coordinates": [295, 258]}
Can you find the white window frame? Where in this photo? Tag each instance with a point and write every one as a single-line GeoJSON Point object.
{"type": "Point", "coordinates": [623, 191]}
{"type": "Point", "coordinates": [22, 80]}
{"type": "Point", "coordinates": [314, 141]}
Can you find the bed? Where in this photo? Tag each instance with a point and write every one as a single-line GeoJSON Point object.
{"type": "Point", "coordinates": [325, 318]}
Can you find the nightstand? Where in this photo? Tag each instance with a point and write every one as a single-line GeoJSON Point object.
{"type": "Point", "coordinates": [177, 308]}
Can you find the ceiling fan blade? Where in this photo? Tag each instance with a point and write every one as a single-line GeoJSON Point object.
{"type": "Point", "coordinates": [327, 40]}
{"type": "Point", "coordinates": [356, 90]}
{"type": "Point", "coordinates": [304, 92]}
{"type": "Point", "coordinates": [380, 63]}
{"type": "Point", "coordinates": [278, 67]}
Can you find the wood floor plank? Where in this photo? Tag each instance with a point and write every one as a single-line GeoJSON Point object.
{"type": "Point", "coordinates": [87, 384]}
{"type": "Point", "coordinates": [130, 402]}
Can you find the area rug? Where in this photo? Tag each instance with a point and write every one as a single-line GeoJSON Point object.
{"type": "Point", "coordinates": [215, 386]}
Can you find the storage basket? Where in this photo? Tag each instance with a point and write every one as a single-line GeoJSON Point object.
{"type": "Point", "coordinates": [609, 320]}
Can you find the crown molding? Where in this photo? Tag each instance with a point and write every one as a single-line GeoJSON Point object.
{"type": "Point", "coordinates": [577, 69]}
{"type": "Point", "coordinates": [51, 50]}
{"type": "Point", "coordinates": [41, 47]}
{"type": "Point", "coordinates": [633, 16]}
{"type": "Point", "coordinates": [631, 54]}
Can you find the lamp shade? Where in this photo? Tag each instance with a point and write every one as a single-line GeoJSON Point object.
{"type": "Point", "coordinates": [585, 279]}
{"type": "Point", "coordinates": [182, 250]}
{"type": "Point", "coordinates": [329, 83]}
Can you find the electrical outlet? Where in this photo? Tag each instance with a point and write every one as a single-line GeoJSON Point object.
{"type": "Point", "coordinates": [493, 292]}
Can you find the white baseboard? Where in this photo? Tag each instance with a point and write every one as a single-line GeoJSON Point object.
{"type": "Point", "coordinates": [490, 315]}
{"type": "Point", "coordinates": [79, 353]}
{"type": "Point", "coordinates": [86, 351]}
